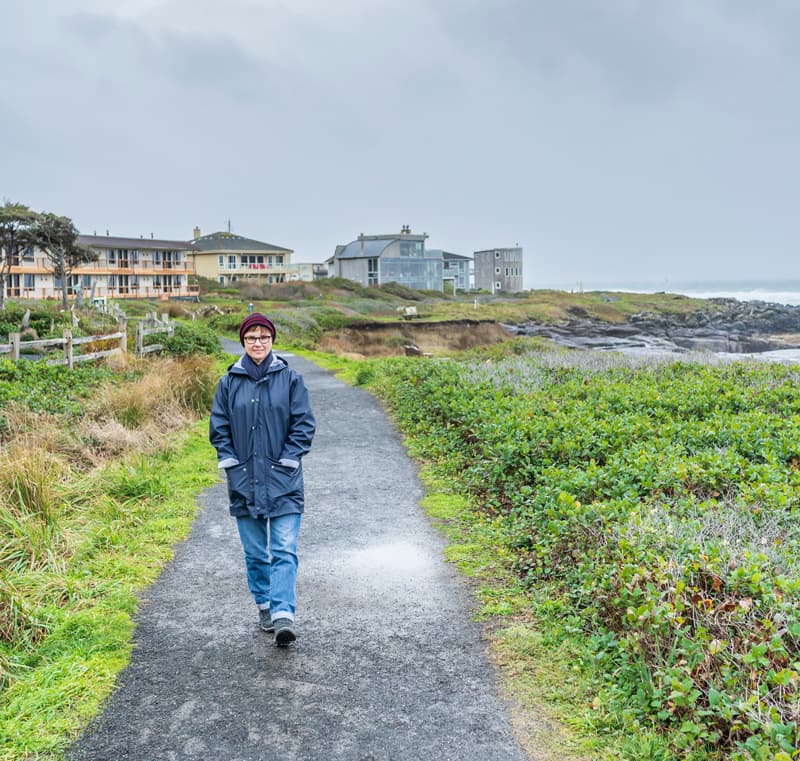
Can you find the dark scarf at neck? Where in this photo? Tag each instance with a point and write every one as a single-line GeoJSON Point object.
{"type": "Point", "coordinates": [256, 372]}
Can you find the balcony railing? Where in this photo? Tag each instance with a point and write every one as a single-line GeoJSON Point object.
{"type": "Point", "coordinates": [118, 292]}
{"type": "Point", "coordinates": [254, 268]}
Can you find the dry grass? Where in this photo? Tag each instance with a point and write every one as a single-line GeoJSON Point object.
{"type": "Point", "coordinates": [376, 340]}
{"type": "Point", "coordinates": [29, 480]}
{"type": "Point", "coordinates": [39, 431]}
{"type": "Point", "coordinates": [168, 394]}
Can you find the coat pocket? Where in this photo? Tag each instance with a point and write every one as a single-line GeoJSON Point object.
{"type": "Point", "coordinates": [240, 486]}
{"type": "Point", "coordinates": [285, 484]}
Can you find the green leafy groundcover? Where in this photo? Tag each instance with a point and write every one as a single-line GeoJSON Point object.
{"type": "Point", "coordinates": [52, 389]}
{"type": "Point", "coordinates": [653, 512]}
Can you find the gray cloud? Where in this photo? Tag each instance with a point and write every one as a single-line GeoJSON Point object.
{"type": "Point", "coordinates": [611, 139]}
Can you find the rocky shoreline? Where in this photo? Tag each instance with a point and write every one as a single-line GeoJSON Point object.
{"type": "Point", "coordinates": [728, 326]}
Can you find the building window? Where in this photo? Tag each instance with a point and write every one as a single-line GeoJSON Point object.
{"type": "Point", "coordinates": [221, 278]}
{"type": "Point", "coordinates": [112, 256]}
{"type": "Point", "coordinates": [221, 262]}
{"type": "Point", "coordinates": [86, 281]}
{"type": "Point", "coordinates": [412, 248]}
{"type": "Point", "coordinates": [279, 261]}
{"type": "Point", "coordinates": [497, 270]}
{"type": "Point", "coordinates": [135, 255]}
{"type": "Point", "coordinates": [372, 271]}
{"type": "Point", "coordinates": [496, 254]}
{"type": "Point", "coordinates": [27, 254]}
{"type": "Point", "coordinates": [232, 262]}
{"type": "Point", "coordinates": [29, 281]}
{"type": "Point", "coordinates": [498, 286]}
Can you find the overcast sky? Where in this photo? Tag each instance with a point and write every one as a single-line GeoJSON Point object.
{"type": "Point", "coordinates": [614, 140]}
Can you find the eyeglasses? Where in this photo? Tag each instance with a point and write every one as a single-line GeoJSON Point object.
{"type": "Point", "coordinates": [250, 340]}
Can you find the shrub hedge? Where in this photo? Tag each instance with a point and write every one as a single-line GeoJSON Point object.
{"type": "Point", "coordinates": [652, 512]}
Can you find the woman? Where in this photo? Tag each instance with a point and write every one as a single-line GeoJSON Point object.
{"type": "Point", "coordinates": [261, 426]}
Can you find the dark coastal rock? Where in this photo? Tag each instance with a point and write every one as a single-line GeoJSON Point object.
{"type": "Point", "coordinates": [728, 326]}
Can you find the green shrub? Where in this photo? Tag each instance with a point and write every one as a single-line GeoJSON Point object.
{"type": "Point", "coordinates": [193, 338]}
{"type": "Point", "coordinates": [651, 509]}
{"type": "Point", "coordinates": [402, 291]}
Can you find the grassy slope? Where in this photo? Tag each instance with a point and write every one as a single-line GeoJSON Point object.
{"type": "Point", "coordinates": [62, 684]}
{"type": "Point", "coordinates": [329, 302]}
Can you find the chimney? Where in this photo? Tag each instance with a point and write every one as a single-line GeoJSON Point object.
{"type": "Point", "coordinates": [196, 233]}
{"type": "Point", "coordinates": [151, 236]}
{"type": "Point", "coordinates": [106, 233]}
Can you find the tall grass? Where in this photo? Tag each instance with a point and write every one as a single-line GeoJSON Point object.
{"type": "Point", "coordinates": [77, 492]}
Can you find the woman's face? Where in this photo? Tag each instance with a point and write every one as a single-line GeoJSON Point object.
{"type": "Point", "coordinates": [257, 343]}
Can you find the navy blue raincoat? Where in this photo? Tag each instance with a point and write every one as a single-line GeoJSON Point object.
{"type": "Point", "coordinates": [261, 430]}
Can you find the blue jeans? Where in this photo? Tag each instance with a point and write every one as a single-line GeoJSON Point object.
{"type": "Point", "coordinates": [270, 555]}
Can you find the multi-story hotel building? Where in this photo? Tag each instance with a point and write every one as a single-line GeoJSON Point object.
{"type": "Point", "coordinates": [126, 268]}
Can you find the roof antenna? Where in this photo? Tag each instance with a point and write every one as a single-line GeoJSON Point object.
{"type": "Point", "coordinates": [229, 225]}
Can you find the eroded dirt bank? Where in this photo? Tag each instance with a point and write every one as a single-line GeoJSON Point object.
{"type": "Point", "coordinates": [382, 339]}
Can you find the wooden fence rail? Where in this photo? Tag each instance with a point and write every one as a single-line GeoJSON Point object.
{"type": "Point", "coordinates": [149, 326]}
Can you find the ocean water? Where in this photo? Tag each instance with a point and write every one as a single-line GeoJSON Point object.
{"type": "Point", "coordinates": [770, 291]}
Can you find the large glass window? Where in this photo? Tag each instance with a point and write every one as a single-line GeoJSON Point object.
{"type": "Point", "coordinates": [29, 281]}
{"type": "Point", "coordinates": [412, 248]}
{"type": "Point", "coordinates": [422, 274]}
{"type": "Point", "coordinates": [372, 271]}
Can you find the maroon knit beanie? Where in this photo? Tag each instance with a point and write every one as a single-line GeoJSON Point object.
{"type": "Point", "coordinates": [255, 319]}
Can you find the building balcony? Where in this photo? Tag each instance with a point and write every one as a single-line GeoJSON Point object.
{"type": "Point", "coordinates": [117, 292]}
{"type": "Point", "coordinates": [253, 269]}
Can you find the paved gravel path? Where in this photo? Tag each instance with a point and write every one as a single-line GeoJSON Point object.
{"type": "Point", "coordinates": [388, 663]}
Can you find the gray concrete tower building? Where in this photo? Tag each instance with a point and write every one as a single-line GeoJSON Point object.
{"type": "Point", "coordinates": [499, 270]}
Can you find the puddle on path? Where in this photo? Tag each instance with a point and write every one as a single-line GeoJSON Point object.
{"type": "Point", "coordinates": [389, 561]}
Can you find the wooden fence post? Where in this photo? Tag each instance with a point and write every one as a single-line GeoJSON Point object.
{"type": "Point", "coordinates": [13, 339]}
{"type": "Point", "coordinates": [122, 327]}
{"type": "Point", "coordinates": [139, 342]}
{"type": "Point", "coordinates": [68, 348]}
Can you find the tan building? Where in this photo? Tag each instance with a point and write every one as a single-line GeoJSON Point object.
{"type": "Point", "coordinates": [227, 257]}
{"type": "Point", "coordinates": [126, 268]}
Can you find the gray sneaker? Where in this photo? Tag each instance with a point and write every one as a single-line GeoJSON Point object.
{"type": "Point", "coordinates": [264, 620]}
{"type": "Point", "coordinates": [284, 632]}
